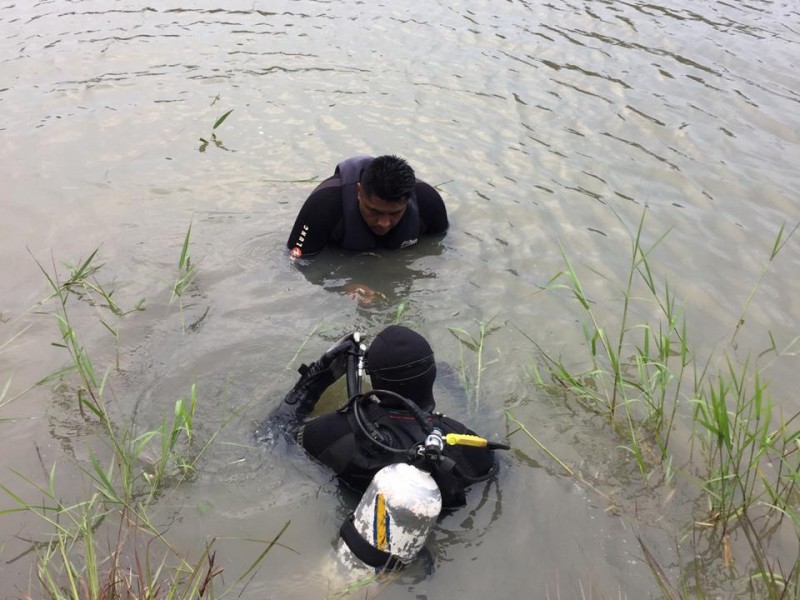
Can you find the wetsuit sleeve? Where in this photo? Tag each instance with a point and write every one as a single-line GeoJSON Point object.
{"type": "Point", "coordinates": [329, 439]}
{"type": "Point", "coordinates": [288, 417]}
{"type": "Point", "coordinates": [314, 380]}
{"type": "Point", "coordinates": [432, 211]}
{"type": "Point", "coordinates": [316, 221]}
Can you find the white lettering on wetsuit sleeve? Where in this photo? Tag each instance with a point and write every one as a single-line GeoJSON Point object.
{"type": "Point", "coordinates": [297, 251]}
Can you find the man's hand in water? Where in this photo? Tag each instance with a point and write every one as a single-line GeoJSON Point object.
{"type": "Point", "coordinates": [362, 294]}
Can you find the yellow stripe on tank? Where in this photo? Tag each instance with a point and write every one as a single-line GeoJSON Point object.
{"type": "Point", "coordinates": [381, 524]}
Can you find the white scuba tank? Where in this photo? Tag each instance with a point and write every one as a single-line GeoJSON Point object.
{"type": "Point", "coordinates": [393, 519]}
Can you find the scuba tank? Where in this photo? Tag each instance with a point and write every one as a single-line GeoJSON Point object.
{"type": "Point", "coordinates": [392, 521]}
{"type": "Point", "coordinates": [400, 506]}
{"type": "Point", "coordinates": [398, 509]}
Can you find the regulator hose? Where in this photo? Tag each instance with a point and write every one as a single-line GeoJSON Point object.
{"type": "Point", "coordinates": [372, 432]}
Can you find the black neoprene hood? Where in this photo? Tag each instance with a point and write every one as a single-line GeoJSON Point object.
{"type": "Point", "coordinates": [401, 360]}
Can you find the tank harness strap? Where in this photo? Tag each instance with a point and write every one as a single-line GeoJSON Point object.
{"type": "Point", "coordinates": [363, 550]}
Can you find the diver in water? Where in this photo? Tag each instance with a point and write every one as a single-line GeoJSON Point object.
{"type": "Point", "coordinates": [379, 428]}
{"type": "Point", "coordinates": [368, 204]}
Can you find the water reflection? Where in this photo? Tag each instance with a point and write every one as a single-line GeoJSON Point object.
{"type": "Point", "coordinates": [376, 280]}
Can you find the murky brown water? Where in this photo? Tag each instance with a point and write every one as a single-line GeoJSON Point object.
{"type": "Point", "coordinates": [544, 123]}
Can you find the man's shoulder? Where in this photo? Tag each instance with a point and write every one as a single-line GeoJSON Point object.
{"type": "Point", "coordinates": [432, 210]}
{"type": "Point", "coordinates": [317, 220]}
{"type": "Point", "coordinates": [327, 192]}
{"type": "Point", "coordinates": [426, 193]}
{"type": "Point", "coordinates": [324, 203]}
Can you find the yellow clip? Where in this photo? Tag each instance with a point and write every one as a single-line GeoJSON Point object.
{"type": "Point", "coordinates": [462, 439]}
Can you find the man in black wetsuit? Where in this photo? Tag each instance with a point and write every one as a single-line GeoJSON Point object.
{"type": "Point", "coordinates": [400, 361]}
{"type": "Point", "coordinates": [368, 203]}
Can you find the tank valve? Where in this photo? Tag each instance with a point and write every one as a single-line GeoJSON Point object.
{"type": "Point", "coordinates": [434, 446]}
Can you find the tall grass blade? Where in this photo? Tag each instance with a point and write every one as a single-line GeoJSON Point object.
{"type": "Point", "coordinates": [266, 550]}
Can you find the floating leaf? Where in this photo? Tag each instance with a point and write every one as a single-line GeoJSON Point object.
{"type": "Point", "coordinates": [221, 120]}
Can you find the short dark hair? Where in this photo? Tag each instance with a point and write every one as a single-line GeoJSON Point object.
{"type": "Point", "coordinates": [389, 178]}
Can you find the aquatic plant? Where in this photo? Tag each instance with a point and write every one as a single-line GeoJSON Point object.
{"type": "Point", "coordinates": [186, 274]}
{"type": "Point", "coordinates": [213, 137]}
{"type": "Point", "coordinates": [71, 562]}
{"type": "Point", "coordinates": [641, 375]}
{"type": "Point", "coordinates": [470, 375]}
{"type": "Point", "coordinates": [83, 285]}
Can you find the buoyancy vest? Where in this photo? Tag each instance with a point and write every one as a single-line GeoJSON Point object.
{"type": "Point", "coordinates": [399, 429]}
{"type": "Point", "coordinates": [357, 236]}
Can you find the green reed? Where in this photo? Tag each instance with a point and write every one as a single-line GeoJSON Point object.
{"type": "Point", "coordinates": [91, 389]}
{"type": "Point", "coordinates": [738, 430]}
{"type": "Point", "coordinates": [71, 564]}
{"type": "Point", "coordinates": [137, 562]}
{"type": "Point", "coordinates": [4, 399]}
{"type": "Point", "coordinates": [169, 432]}
{"type": "Point", "coordinates": [400, 311]}
{"type": "Point", "coordinates": [521, 427]}
{"type": "Point", "coordinates": [470, 375]}
{"type": "Point", "coordinates": [739, 433]}
{"type": "Point", "coordinates": [635, 370]}
{"type": "Point", "coordinates": [186, 274]}
{"type": "Point", "coordinates": [639, 376]}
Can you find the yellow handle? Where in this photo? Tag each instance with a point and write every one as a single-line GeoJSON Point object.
{"type": "Point", "coordinates": [462, 439]}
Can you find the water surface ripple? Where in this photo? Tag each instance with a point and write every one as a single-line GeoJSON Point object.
{"type": "Point", "coordinates": [546, 125]}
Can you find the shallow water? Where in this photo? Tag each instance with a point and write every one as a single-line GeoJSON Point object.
{"type": "Point", "coordinates": [542, 124]}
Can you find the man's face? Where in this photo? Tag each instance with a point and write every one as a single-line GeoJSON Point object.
{"type": "Point", "coordinates": [379, 215]}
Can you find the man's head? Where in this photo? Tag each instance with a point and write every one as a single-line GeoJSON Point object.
{"type": "Point", "coordinates": [383, 192]}
{"type": "Point", "coordinates": [401, 361]}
